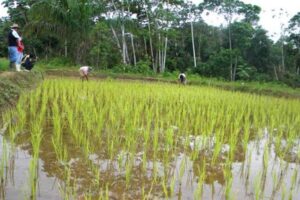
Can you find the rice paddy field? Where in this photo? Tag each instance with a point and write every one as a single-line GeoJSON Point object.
{"type": "Point", "coordinates": [112, 139]}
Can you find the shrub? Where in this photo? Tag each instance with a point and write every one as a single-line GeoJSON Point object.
{"type": "Point", "coordinates": [142, 67]}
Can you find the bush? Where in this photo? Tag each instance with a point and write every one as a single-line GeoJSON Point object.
{"type": "Point", "coordinates": [292, 80]}
{"type": "Point", "coordinates": [58, 62]}
{"type": "Point", "coordinates": [4, 64]}
{"type": "Point", "coordinates": [262, 77]}
{"type": "Point", "coordinates": [142, 67]}
{"type": "Point", "coordinates": [121, 68]}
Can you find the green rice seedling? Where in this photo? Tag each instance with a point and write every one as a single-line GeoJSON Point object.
{"type": "Point", "coordinates": [294, 179]}
{"type": "Point", "coordinates": [143, 193]}
{"type": "Point", "coordinates": [128, 172]}
{"type": "Point", "coordinates": [67, 191]}
{"type": "Point", "coordinates": [266, 156]}
{"type": "Point", "coordinates": [283, 192]}
{"type": "Point", "coordinates": [274, 178]}
{"type": "Point", "coordinates": [36, 137]}
{"type": "Point", "coordinates": [3, 162]}
{"type": "Point", "coordinates": [217, 148]}
{"type": "Point", "coordinates": [199, 190]}
{"type": "Point", "coordinates": [33, 173]}
{"type": "Point", "coordinates": [257, 186]}
{"type": "Point", "coordinates": [246, 135]}
{"type": "Point", "coordinates": [172, 185]}
{"type": "Point", "coordinates": [144, 161]}
{"type": "Point", "coordinates": [169, 139]}
{"type": "Point", "coordinates": [228, 179]}
{"type": "Point", "coordinates": [106, 118]}
{"type": "Point", "coordinates": [182, 169]}
{"type": "Point", "coordinates": [21, 113]}
{"type": "Point", "coordinates": [165, 188]}
{"type": "Point", "coordinates": [106, 192]}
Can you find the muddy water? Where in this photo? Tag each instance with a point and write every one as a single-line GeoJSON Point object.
{"type": "Point", "coordinates": [250, 175]}
{"type": "Point", "coordinates": [16, 175]}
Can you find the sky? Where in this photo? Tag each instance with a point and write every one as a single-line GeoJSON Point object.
{"type": "Point", "coordinates": [274, 14]}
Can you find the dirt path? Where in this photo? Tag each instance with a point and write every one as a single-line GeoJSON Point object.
{"type": "Point", "coordinates": [7, 74]}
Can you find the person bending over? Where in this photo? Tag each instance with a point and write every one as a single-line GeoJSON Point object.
{"type": "Point", "coordinates": [182, 78]}
{"type": "Point", "coordinates": [84, 72]}
{"type": "Point", "coordinates": [28, 61]}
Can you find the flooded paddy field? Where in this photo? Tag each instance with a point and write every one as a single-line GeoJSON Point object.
{"type": "Point", "coordinates": [106, 139]}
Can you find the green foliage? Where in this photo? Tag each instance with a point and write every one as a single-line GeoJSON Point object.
{"type": "Point", "coordinates": [292, 80]}
{"type": "Point", "coordinates": [142, 67]}
{"type": "Point", "coordinates": [103, 51]}
{"type": "Point", "coordinates": [217, 65]}
{"type": "Point", "coordinates": [245, 72]}
{"type": "Point", "coordinates": [4, 64]}
{"type": "Point", "coordinates": [58, 62]}
{"type": "Point", "coordinates": [78, 31]}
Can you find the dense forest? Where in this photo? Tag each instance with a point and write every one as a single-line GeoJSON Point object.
{"type": "Point", "coordinates": [151, 36]}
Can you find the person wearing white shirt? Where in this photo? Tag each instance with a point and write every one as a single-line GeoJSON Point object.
{"type": "Point", "coordinates": [13, 40]}
{"type": "Point", "coordinates": [84, 72]}
{"type": "Point", "coordinates": [182, 78]}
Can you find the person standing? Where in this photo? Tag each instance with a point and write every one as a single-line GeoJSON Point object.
{"type": "Point", "coordinates": [13, 40]}
{"type": "Point", "coordinates": [20, 54]}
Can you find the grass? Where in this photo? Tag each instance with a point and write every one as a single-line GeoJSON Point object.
{"type": "Point", "coordinates": [4, 64]}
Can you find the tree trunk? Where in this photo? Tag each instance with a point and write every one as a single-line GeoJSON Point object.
{"type": "Point", "coordinates": [159, 54]}
{"type": "Point", "coordinates": [117, 39]}
{"type": "Point", "coordinates": [165, 55]}
{"type": "Point", "coordinates": [66, 48]}
{"type": "Point", "coordinates": [133, 50]}
{"type": "Point", "coordinates": [230, 48]}
{"type": "Point", "coordinates": [282, 57]}
{"type": "Point", "coordinates": [234, 70]}
{"type": "Point", "coordinates": [199, 48]}
{"type": "Point", "coordinates": [193, 42]}
{"type": "Point", "coordinates": [123, 45]}
{"type": "Point", "coordinates": [145, 45]}
{"type": "Point", "coordinates": [150, 40]}
{"type": "Point", "coordinates": [275, 72]}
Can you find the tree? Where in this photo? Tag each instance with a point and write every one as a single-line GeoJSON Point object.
{"type": "Point", "coordinates": [294, 38]}
{"type": "Point", "coordinates": [69, 20]}
{"type": "Point", "coordinates": [259, 52]}
{"type": "Point", "coordinates": [230, 8]}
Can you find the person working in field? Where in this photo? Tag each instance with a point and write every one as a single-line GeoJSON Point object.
{"type": "Point", "coordinates": [182, 78]}
{"type": "Point", "coordinates": [84, 72]}
{"type": "Point", "coordinates": [28, 61]}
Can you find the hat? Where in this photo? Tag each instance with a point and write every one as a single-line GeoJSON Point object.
{"type": "Point", "coordinates": [15, 26]}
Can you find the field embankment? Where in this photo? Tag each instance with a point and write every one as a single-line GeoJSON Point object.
{"type": "Point", "coordinates": [13, 83]}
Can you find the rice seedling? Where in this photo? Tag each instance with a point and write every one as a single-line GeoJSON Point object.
{"type": "Point", "coordinates": [201, 179]}
{"type": "Point", "coordinates": [257, 186]}
{"type": "Point", "coordinates": [104, 137]}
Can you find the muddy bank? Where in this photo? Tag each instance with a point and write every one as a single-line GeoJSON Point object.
{"type": "Point", "coordinates": [12, 84]}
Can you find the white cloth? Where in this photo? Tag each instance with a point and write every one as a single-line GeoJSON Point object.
{"type": "Point", "coordinates": [182, 74]}
{"type": "Point", "coordinates": [15, 34]}
{"type": "Point", "coordinates": [84, 70]}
